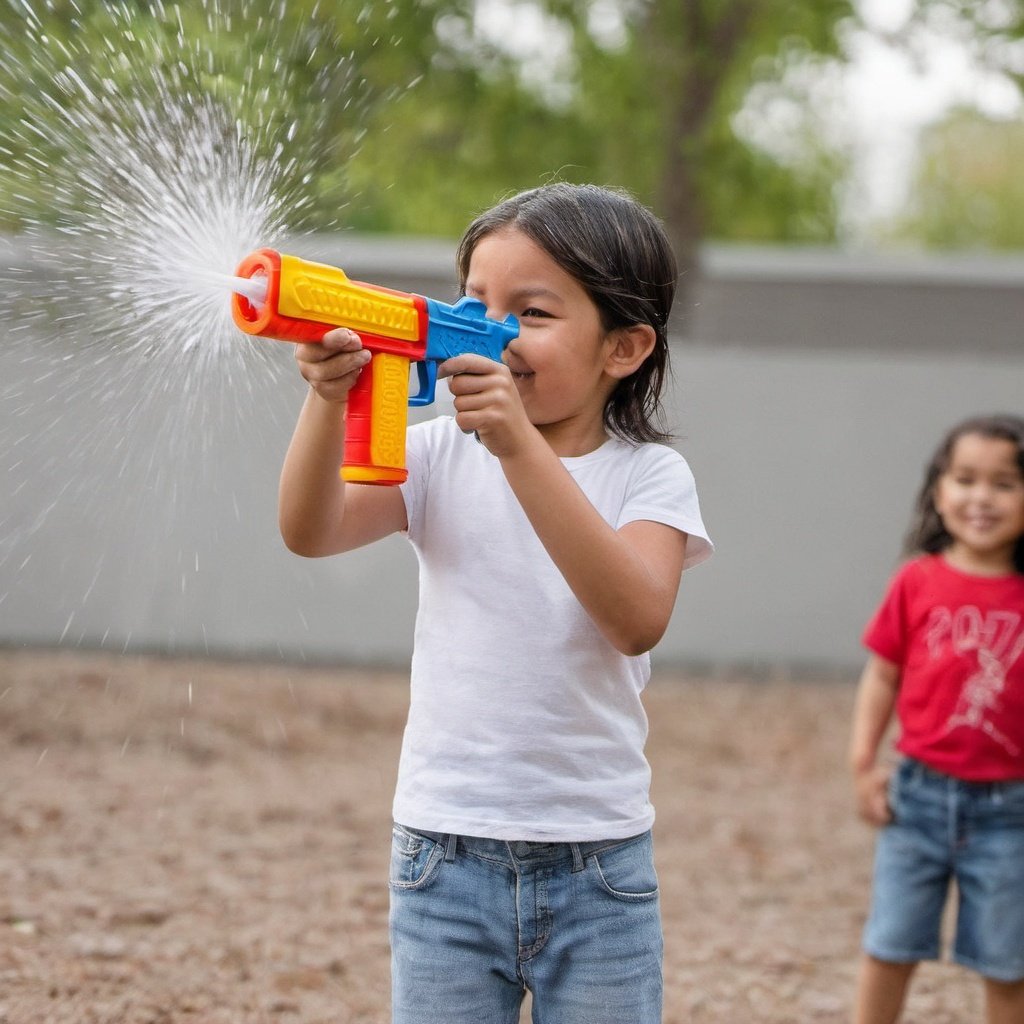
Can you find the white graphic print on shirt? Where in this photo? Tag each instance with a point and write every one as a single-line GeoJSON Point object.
{"type": "Point", "coordinates": [997, 639]}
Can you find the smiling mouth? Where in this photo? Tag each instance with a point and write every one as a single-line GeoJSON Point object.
{"type": "Point", "coordinates": [981, 522]}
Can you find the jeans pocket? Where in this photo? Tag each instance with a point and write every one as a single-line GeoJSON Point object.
{"type": "Point", "coordinates": [1007, 803]}
{"type": "Point", "coordinates": [414, 858]}
{"type": "Point", "coordinates": [907, 784]}
{"type": "Point", "coordinates": [626, 871]}
{"type": "Point", "coordinates": [892, 798]}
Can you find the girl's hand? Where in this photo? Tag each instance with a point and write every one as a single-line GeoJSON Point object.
{"type": "Point", "coordinates": [487, 402]}
{"type": "Point", "coordinates": [871, 792]}
{"type": "Point", "coordinates": [333, 366]}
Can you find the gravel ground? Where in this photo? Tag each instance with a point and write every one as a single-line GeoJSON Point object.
{"type": "Point", "coordinates": [196, 841]}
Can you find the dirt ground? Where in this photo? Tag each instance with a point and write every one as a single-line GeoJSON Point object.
{"type": "Point", "coordinates": [207, 842]}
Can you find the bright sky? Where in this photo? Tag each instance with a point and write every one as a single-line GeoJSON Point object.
{"type": "Point", "coordinates": [890, 99]}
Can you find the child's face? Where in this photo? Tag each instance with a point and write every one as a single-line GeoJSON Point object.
{"type": "Point", "coordinates": [980, 498]}
{"type": "Point", "coordinates": [558, 360]}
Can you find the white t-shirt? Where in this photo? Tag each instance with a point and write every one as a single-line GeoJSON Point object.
{"type": "Point", "coordinates": [524, 721]}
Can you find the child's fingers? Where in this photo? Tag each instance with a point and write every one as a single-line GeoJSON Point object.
{"type": "Point", "coordinates": [871, 789]}
{"type": "Point", "coordinates": [480, 376]}
{"type": "Point", "coordinates": [341, 351]}
{"type": "Point", "coordinates": [341, 367]}
{"type": "Point", "coordinates": [466, 363]}
{"type": "Point", "coordinates": [339, 340]}
{"type": "Point", "coordinates": [336, 389]}
{"type": "Point", "coordinates": [341, 364]}
{"type": "Point", "coordinates": [878, 809]}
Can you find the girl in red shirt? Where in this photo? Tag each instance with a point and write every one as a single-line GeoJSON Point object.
{"type": "Point", "coordinates": [947, 659]}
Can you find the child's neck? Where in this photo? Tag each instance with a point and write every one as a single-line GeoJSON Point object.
{"type": "Point", "coordinates": [980, 563]}
{"type": "Point", "coordinates": [571, 439]}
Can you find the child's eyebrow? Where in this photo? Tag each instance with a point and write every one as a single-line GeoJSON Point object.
{"type": "Point", "coordinates": [518, 295]}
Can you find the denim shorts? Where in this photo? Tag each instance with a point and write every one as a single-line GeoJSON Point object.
{"type": "Point", "coordinates": [946, 831]}
{"type": "Point", "coordinates": [476, 922]}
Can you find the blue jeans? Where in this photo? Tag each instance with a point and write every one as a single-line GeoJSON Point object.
{"type": "Point", "coordinates": [476, 922]}
{"type": "Point", "coordinates": [946, 830]}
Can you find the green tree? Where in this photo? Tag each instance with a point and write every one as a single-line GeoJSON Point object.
{"type": "Point", "coordinates": [650, 107]}
{"type": "Point", "coordinates": [407, 115]}
{"type": "Point", "coordinates": [669, 93]}
{"type": "Point", "coordinates": [968, 191]}
{"type": "Point", "coordinates": [651, 95]}
{"type": "Point", "coordinates": [298, 79]}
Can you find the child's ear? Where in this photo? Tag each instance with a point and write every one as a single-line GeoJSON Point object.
{"type": "Point", "coordinates": [632, 346]}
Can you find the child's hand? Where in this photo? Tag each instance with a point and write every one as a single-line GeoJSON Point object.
{"type": "Point", "coordinates": [871, 792]}
{"type": "Point", "coordinates": [486, 402]}
{"type": "Point", "coordinates": [333, 366]}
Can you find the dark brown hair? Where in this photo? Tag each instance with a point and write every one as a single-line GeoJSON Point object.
{"type": "Point", "coordinates": [619, 252]}
{"type": "Point", "coordinates": [927, 532]}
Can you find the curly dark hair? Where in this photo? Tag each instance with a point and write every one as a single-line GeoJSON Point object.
{"type": "Point", "coordinates": [927, 533]}
{"type": "Point", "coordinates": [619, 252]}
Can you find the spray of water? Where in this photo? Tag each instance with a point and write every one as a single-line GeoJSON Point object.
{"type": "Point", "coordinates": [152, 153]}
{"type": "Point", "coordinates": [139, 171]}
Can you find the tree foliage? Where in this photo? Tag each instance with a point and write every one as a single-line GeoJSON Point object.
{"type": "Point", "coordinates": [649, 110]}
{"type": "Point", "coordinates": [409, 115]}
{"type": "Point", "coordinates": [649, 107]}
{"type": "Point", "coordinates": [298, 80]}
{"type": "Point", "coordinates": [968, 191]}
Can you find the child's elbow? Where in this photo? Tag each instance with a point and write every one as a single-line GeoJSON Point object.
{"type": "Point", "coordinates": [640, 639]}
{"type": "Point", "coordinates": [298, 547]}
{"type": "Point", "coordinates": [300, 542]}
{"type": "Point", "coordinates": [638, 647]}
{"type": "Point", "coordinates": [634, 650]}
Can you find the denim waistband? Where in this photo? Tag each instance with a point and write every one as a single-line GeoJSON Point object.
{"type": "Point", "coordinates": [913, 768]}
{"type": "Point", "coordinates": [520, 850]}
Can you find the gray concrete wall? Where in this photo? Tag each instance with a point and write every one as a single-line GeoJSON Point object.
{"type": "Point", "coordinates": [138, 508]}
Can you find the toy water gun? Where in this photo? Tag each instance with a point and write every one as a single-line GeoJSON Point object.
{"type": "Point", "coordinates": [298, 301]}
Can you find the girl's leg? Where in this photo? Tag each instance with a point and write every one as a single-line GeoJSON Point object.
{"type": "Point", "coordinates": [913, 868]}
{"type": "Point", "coordinates": [881, 990]}
{"type": "Point", "coordinates": [1004, 1002]}
{"type": "Point", "coordinates": [453, 934]}
{"type": "Point", "coordinates": [596, 957]}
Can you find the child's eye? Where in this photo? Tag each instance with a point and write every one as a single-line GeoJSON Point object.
{"type": "Point", "coordinates": [533, 311]}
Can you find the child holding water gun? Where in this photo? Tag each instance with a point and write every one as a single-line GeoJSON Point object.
{"type": "Point", "coordinates": [551, 530]}
{"type": "Point", "coordinates": [947, 655]}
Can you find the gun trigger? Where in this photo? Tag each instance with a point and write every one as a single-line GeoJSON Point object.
{"type": "Point", "coordinates": [426, 372]}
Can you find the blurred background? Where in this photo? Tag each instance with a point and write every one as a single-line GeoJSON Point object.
{"type": "Point", "coordinates": [840, 179]}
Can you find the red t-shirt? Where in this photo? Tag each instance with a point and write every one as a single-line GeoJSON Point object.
{"type": "Point", "coordinates": [959, 642]}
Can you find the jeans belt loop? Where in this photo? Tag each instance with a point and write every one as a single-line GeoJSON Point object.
{"type": "Point", "coordinates": [577, 858]}
{"type": "Point", "coordinates": [449, 847]}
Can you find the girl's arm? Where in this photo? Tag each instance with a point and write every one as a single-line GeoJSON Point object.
{"type": "Point", "coordinates": [626, 579]}
{"type": "Point", "coordinates": [873, 709]}
{"type": "Point", "coordinates": [318, 514]}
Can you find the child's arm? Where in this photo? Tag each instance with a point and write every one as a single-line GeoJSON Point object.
{"type": "Point", "coordinates": [626, 579]}
{"type": "Point", "coordinates": [876, 698]}
{"type": "Point", "coordinates": [317, 513]}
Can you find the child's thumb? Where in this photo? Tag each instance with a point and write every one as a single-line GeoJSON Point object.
{"type": "Point", "coordinates": [341, 339]}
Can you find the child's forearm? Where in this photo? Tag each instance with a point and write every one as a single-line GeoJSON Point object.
{"type": "Point", "coordinates": [873, 709]}
{"type": "Point", "coordinates": [311, 497]}
{"type": "Point", "coordinates": [626, 580]}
